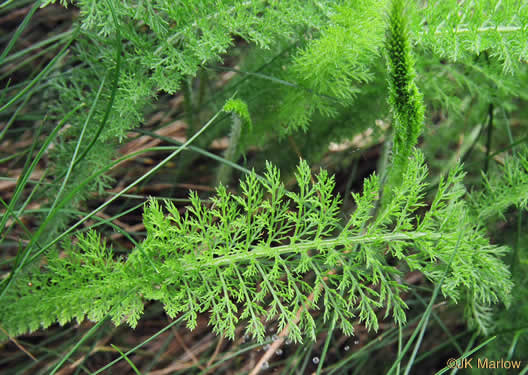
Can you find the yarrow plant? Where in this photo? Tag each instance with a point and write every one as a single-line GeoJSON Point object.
{"type": "Point", "coordinates": [299, 256]}
{"type": "Point", "coordinates": [263, 253]}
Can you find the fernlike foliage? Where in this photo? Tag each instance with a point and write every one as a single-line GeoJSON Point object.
{"type": "Point", "coordinates": [459, 30]}
{"type": "Point", "coordinates": [502, 206]}
{"type": "Point", "coordinates": [324, 62]}
{"type": "Point", "coordinates": [160, 44]}
{"type": "Point", "coordinates": [405, 100]}
{"type": "Point", "coordinates": [333, 67]}
{"type": "Point", "coordinates": [502, 190]}
{"type": "Point", "coordinates": [167, 41]}
{"type": "Point", "coordinates": [270, 253]}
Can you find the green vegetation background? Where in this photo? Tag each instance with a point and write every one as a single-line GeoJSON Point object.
{"type": "Point", "coordinates": [359, 175]}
